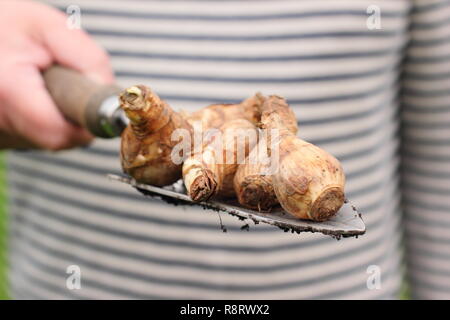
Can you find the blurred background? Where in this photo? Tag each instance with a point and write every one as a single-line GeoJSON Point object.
{"type": "Point", "coordinates": [349, 106]}
{"type": "Point", "coordinates": [404, 295]}
{"type": "Point", "coordinates": [3, 232]}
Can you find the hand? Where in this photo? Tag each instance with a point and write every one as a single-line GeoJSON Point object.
{"type": "Point", "coordinates": [33, 37]}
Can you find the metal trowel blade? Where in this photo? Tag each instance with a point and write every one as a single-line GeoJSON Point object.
{"type": "Point", "coordinates": [346, 223]}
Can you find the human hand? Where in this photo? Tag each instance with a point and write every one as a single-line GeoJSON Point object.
{"type": "Point", "coordinates": [33, 37]}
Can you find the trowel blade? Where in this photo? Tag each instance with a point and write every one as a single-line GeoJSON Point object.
{"type": "Point", "coordinates": [346, 223]}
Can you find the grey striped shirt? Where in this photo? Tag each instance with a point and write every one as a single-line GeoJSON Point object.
{"type": "Point", "coordinates": [343, 80]}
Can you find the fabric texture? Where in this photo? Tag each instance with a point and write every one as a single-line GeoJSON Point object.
{"type": "Point", "coordinates": [343, 81]}
{"type": "Point", "coordinates": [426, 150]}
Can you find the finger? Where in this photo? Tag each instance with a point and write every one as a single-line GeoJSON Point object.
{"type": "Point", "coordinates": [8, 141]}
{"type": "Point", "coordinates": [34, 116]}
{"type": "Point", "coordinates": [74, 48]}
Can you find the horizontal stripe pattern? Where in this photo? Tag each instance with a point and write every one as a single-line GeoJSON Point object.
{"type": "Point", "coordinates": [341, 79]}
{"type": "Point", "coordinates": [425, 151]}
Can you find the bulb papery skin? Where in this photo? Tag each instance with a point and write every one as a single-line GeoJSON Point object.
{"type": "Point", "coordinates": [306, 181]}
{"type": "Point", "coordinates": [253, 182]}
{"type": "Point", "coordinates": [146, 143]}
{"type": "Point", "coordinates": [249, 150]}
{"type": "Point", "coordinates": [210, 171]}
{"type": "Point", "coordinates": [216, 115]}
{"type": "Point", "coordinates": [253, 190]}
{"type": "Point", "coordinates": [309, 182]}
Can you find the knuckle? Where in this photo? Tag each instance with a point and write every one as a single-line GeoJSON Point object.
{"type": "Point", "coordinates": [51, 137]}
{"type": "Point", "coordinates": [65, 139]}
{"type": "Point", "coordinates": [56, 145]}
{"type": "Point", "coordinates": [52, 142]}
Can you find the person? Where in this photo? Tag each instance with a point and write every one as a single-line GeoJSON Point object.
{"type": "Point", "coordinates": [339, 69]}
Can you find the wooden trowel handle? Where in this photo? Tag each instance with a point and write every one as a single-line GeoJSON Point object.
{"type": "Point", "coordinates": [81, 100]}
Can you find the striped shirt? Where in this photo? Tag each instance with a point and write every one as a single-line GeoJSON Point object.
{"type": "Point", "coordinates": [342, 78]}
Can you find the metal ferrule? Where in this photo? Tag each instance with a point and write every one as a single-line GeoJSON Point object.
{"type": "Point", "coordinates": [111, 117]}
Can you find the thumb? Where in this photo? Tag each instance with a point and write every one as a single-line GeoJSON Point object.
{"type": "Point", "coordinates": [74, 48]}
